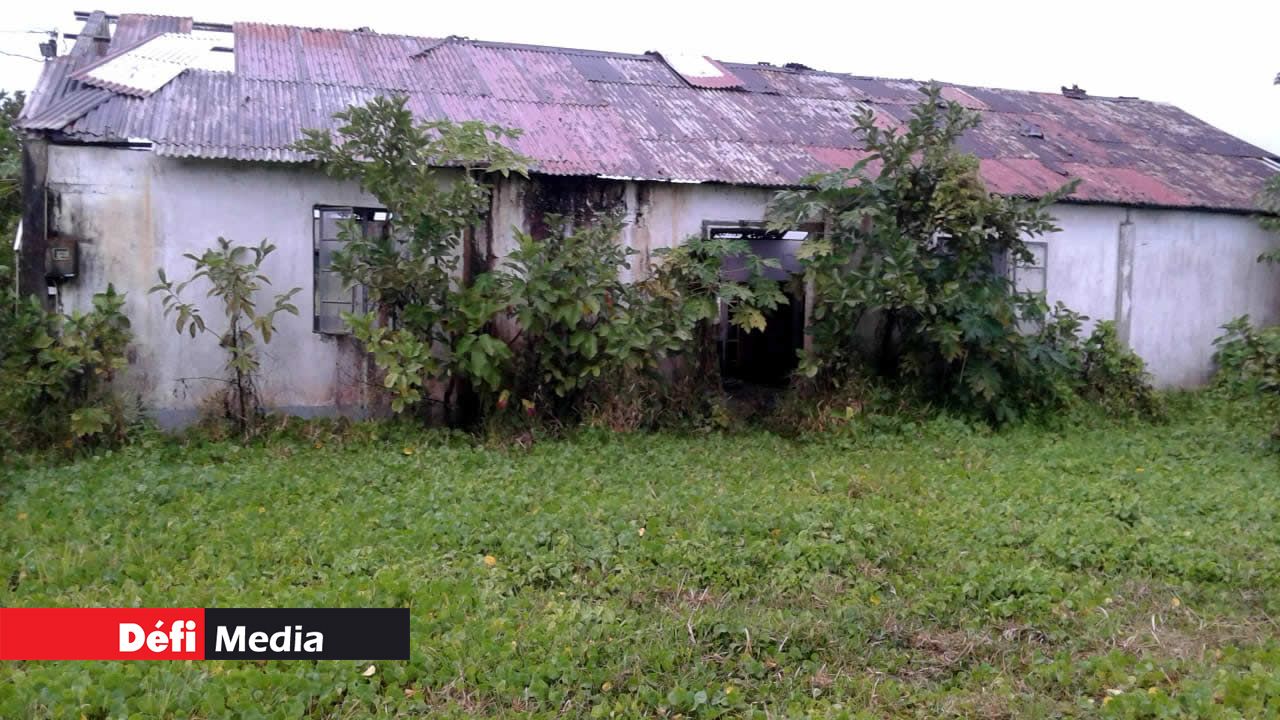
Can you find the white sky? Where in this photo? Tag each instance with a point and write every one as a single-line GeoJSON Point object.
{"type": "Point", "coordinates": [1217, 60]}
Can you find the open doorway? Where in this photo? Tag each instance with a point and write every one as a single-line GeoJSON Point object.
{"type": "Point", "coordinates": [764, 358]}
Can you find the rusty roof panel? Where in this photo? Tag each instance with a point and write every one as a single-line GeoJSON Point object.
{"type": "Point", "coordinates": [626, 115]}
{"type": "Point", "coordinates": [134, 28]}
{"type": "Point", "coordinates": [643, 70]}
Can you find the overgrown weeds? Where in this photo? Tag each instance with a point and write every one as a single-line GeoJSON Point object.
{"type": "Point", "coordinates": [912, 288]}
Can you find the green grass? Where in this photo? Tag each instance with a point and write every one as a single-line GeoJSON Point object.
{"type": "Point", "coordinates": [921, 571]}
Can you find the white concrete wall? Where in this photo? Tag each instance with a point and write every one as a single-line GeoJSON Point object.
{"type": "Point", "coordinates": [138, 213]}
{"type": "Point", "coordinates": [1083, 259]}
{"type": "Point", "coordinates": [1192, 272]}
{"type": "Point", "coordinates": [1170, 285]}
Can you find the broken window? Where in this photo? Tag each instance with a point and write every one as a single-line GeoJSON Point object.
{"type": "Point", "coordinates": [332, 296]}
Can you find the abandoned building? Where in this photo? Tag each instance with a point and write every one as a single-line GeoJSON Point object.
{"type": "Point", "coordinates": [156, 135]}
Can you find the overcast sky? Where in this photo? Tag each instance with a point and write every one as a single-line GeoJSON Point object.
{"type": "Point", "coordinates": [1217, 60]}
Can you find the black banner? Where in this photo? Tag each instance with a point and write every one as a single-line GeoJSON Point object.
{"type": "Point", "coordinates": [306, 633]}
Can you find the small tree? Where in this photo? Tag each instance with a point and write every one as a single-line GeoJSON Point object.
{"type": "Point", "coordinates": [910, 276]}
{"type": "Point", "coordinates": [10, 162]}
{"type": "Point", "coordinates": [234, 276]}
{"type": "Point", "coordinates": [1248, 356]}
{"type": "Point", "coordinates": [430, 324]}
{"type": "Point", "coordinates": [566, 294]}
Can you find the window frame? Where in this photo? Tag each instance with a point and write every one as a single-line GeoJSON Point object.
{"type": "Point", "coordinates": [1017, 267]}
{"type": "Point", "coordinates": [369, 217]}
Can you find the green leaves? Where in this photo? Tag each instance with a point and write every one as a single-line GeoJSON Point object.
{"type": "Point", "coordinates": [910, 283]}
{"type": "Point", "coordinates": [483, 358]}
{"type": "Point", "coordinates": [575, 314]}
{"type": "Point", "coordinates": [748, 318]}
{"type": "Point", "coordinates": [1248, 360]}
{"type": "Point", "coordinates": [56, 370]}
{"type": "Point", "coordinates": [1269, 204]}
{"type": "Point", "coordinates": [89, 421]}
{"type": "Point", "coordinates": [432, 178]}
{"type": "Point", "coordinates": [10, 162]}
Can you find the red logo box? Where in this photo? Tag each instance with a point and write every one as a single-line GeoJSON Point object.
{"type": "Point", "coordinates": [102, 633]}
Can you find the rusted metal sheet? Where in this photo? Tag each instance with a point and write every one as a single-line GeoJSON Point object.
{"type": "Point", "coordinates": [134, 28]}
{"type": "Point", "coordinates": [632, 116]}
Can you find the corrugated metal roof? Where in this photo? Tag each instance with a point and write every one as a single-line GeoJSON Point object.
{"type": "Point", "coordinates": [601, 113]}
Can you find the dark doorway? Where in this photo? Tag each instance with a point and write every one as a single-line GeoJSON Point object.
{"type": "Point", "coordinates": [766, 357]}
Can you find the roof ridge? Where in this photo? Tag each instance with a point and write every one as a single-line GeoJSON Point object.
{"type": "Point", "coordinates": [437, 42]}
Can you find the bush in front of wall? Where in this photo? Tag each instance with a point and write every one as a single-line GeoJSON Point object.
{"type": "Point", "coordinates": [1115, 377]}
{"type": "Point", "coordinates": [1248, 359]}
{"type": "Point", "coordinates": [1248, 356]}
{"type": "Point", "coordinates": [56, 372]}
{"type": "Point", "coordinates": [623, 354]}
{"type": "Point", "coordinates": [234, 277]}
{"type": "Point", "coordinates": [911, 281]}
{"type": "Point", "coordinates": [574, 316]}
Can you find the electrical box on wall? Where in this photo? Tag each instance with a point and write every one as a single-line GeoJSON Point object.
{"type": "Point", "coordinates": [62, 258]}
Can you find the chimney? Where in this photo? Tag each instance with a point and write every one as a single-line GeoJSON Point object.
{"type": "Point", "coordinates": [1075, 92]}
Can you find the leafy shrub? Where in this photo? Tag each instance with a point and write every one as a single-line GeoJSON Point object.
{"type": "Point", "coordinates": [572, 310]}
{"type": "Point", "coordinates": [1269, 204]}
{"type": "Point", "coordinates": [1102, 370]}
{"type": "Point", "coordinates": [632, 352]}
{"type": "Point", "coordinates": [1112, 375]}
{"type": "Point", "coordinates": [581, 331]}
{"type": "Point", "coordinates": [672, 322]}
{"type": "Point", "coordinates": [1248, 361]}
{"type": "Point", "coordinates": [915, 252]}
{"type": "Point", "coordinates": [1248, 358]}
{"type": "Point", "coordinates": [10, 162]}
{"type": "Point", "coordinates": [234, 277]}
{"type": "Point", "coordinates": [56, 371]}
{"type": "Point", "coordinates": [690, 284]}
